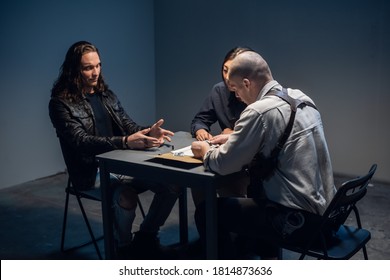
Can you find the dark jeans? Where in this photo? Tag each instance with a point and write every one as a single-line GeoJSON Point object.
{"type": "Point", "coordinates": [259, 219]}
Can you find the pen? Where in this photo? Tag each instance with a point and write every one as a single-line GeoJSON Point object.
{"type": "Point", "coordinates": [168, 145]}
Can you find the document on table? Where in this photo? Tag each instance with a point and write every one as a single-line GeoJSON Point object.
{"type": "Point", "coordinates": [183, 155]}
{"type": "Point", "coordinates": [186, 151]}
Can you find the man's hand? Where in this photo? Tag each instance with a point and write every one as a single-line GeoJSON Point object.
{"type": "Point", "coordinates": [202, 134]}
{"type": "Point", "coordinates": [161, 134]}
{"type": "Point", "coordinates": [219, 139]}
{"type": "Point", "coordinates": [227, 131]}
{"type": "Point", "coordinates": [140, 140]}
{"type": "Point", "coordinates": [199, 148]}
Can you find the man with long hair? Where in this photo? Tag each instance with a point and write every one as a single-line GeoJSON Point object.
{"type": "Point", "coordinates": [90, 120]}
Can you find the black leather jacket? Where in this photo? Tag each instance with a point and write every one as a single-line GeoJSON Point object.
{"type": "Point", "coordinates": [75, 127]}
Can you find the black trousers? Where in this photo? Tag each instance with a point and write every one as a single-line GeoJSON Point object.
{"type": "Point", "coordinates": [261, 220]}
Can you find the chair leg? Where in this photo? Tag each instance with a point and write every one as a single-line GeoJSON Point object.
{"type": "Point", "coordinates": [64, 222]}
{"type": "Point", "coordinates": [183, 216]}
{"type": "Point", "coordinates": [280, 253]}
{"type": "Point", "coordinates": [94, 241]}
{"type": "Point", "coordinates": [141, 207]}
{"type": "Point", "coordinates": [365, 253]}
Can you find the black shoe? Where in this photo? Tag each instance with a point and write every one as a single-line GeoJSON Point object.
{"type": "Point", "coordinates": [146, 246]}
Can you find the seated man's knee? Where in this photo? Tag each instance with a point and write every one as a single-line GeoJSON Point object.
{"type": "Point", "coordinates": [128, 199]}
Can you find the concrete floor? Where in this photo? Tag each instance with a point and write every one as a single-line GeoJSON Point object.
{"type": "Point", "coordinates": [31, 217]}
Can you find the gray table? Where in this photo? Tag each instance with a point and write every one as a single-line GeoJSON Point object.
{"type": "Point", "coordinates": [142, 164]}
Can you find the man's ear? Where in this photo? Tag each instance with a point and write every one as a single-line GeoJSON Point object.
{"type": "Point", "coordinates": [246, 82]}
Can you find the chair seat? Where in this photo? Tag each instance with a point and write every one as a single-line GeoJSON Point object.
{"type": "Point", "coordinates": [347, 242]}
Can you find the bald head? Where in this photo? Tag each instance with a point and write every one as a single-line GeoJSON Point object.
{"type": "Point", "coordinates": [248, 74]}
{"type": "Point", "coordinates": [250, 65]}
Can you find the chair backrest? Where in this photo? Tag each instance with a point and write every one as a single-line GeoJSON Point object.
{"type": "Point", "coordinates": [345, 199]}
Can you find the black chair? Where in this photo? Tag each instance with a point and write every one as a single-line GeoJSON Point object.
{"type": "Point", "coordinates": [347, 240]}
{"type": "Point", "coordinates": [94, 195]}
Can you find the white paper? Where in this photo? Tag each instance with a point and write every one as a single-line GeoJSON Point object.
{"type": "Point", "coordinates": [186, 151]}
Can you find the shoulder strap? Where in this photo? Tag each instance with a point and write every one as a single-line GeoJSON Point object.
{"type": "Point", "coordinates": [261, 168]}
{"type": "Point", "coordinates": [294, 104]}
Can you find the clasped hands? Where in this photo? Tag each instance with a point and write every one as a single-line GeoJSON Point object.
{"type": "Point", "coordinates": [149, 137]}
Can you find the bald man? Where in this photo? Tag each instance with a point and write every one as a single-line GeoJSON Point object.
{"type": "Point", "coordinates": [300, 186]}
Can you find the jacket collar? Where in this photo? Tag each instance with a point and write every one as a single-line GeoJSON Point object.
{"type": "Point", "coordinates": [268, 86]}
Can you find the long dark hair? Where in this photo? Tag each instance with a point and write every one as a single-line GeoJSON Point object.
{"type": "Point", "coordinates": [232, 54]}
{"type": "Point", "coordinates": [69, 82]}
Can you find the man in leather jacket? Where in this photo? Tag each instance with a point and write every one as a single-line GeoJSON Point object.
{"type": "Point", "coordinates": [89, 120]}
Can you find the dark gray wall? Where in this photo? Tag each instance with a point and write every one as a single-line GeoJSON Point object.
{"type": "Point", "coordinates": [335, 51]}
{"type": "Point", "coordinates": [35, 36]}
